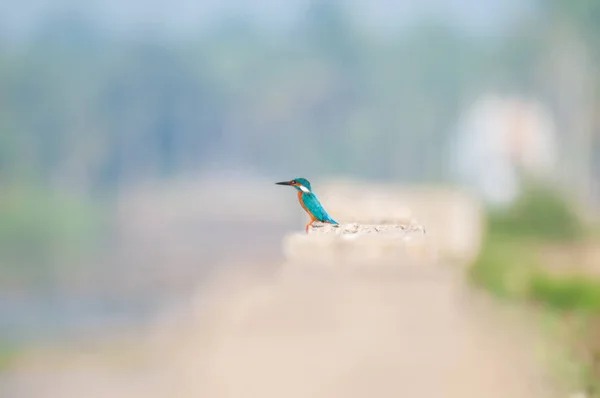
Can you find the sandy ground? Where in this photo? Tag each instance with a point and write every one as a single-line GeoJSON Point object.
{"type": "Point", "coordinates": [305, 331]}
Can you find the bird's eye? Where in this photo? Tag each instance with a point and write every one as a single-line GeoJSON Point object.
{"type": "Point", "coordinates": [293, 182]}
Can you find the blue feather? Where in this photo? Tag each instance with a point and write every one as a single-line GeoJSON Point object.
{"type": "Point", "coordinates": [314, 206]}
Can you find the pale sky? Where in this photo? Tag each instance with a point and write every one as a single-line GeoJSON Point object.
{"type": "Point", "coordinates": [189, 16]}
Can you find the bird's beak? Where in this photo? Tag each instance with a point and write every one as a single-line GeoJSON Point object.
{"type": "Point", "coordinates": [284, 183]}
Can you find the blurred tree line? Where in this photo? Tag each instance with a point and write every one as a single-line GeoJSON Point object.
{"type": "Point", "coordinates": [91, 110]}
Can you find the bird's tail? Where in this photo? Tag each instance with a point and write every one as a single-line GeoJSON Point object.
{"type": "Point", "coordinates": [331, 221]}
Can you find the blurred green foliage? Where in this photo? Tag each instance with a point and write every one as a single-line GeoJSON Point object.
{"type": "Point", "coordinates": [502, 267]}
{"type": "Point", "coordinates": [37, 218]}
{"type": "Point", "coordinates": [40, 227]}
{"type": "Point", "coordinates": [540, 213]}
{"type": "Point", "coordinates": [80, 101]}
{"type": "Point", "coordinates": [584, 14]}
{"type": "Point", "coordinates": [508, 264]}
{"type": "Point", "coordinates": [566, 293]}
{"type": "Point", "coordinates": [8, 353]}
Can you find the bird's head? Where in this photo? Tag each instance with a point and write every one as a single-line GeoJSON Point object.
{"type": "Point", "coordinates": [301, 184]}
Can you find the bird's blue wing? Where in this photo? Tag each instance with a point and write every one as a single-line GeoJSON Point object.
{"type": "Point", "coordinates": [314, 206]}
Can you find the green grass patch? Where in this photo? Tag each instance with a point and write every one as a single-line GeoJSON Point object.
{"type": "Point", "coordinates": [33, 219]}
{"type": "Point", "coordinates": [540, 214]}
{"type": "Point", "coordinates": [8, 353]}
{"type": "Point", "coordinates": [512, 270]}
{"type": "Point", "coordinates": [510, 266]}
{"type": "Point", "coordinates": [42, 231]}
{"type": "Point", "coordinates": [503, 267]}
{"type": "Point", "coordinates": [565, 293]}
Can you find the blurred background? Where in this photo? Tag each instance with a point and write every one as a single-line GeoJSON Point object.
{"type": "Point", "coordinates": [139, 142]}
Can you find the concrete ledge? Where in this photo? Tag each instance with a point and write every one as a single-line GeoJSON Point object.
{"type": "Point", "coordinates": [354, 243]}
{"type": "Point", "coordinates": [354, 229]}
{"type": "Point", "coordinates": [453, 217]}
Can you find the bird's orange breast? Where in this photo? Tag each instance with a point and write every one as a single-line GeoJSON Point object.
{"type": "Point", "coordinates": [303, 206]}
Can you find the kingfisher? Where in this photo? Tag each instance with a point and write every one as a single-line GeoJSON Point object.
{"type": "Point", "coordinates": [309, 202]}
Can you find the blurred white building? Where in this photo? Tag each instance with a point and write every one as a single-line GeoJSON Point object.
{"type": "Point", "coordinates": [497, 137]}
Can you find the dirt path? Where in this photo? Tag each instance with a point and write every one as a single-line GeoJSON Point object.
{"type": "Point", "coordinates": [385, 333]}
{"type": "Point", "coordinates": [413, 331]}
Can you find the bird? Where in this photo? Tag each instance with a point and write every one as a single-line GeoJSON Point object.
{"type": "Point", "coordinates": [309, 202]}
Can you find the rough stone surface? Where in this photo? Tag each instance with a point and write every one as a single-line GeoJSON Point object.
{"type": "Point", "coordinates": [370, 245]}
{"type": "Point", "coordinates": [453, 218]}
{"type": "Point", "coordinates": [361, 229]}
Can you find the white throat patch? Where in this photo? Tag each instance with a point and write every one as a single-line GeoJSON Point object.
{"type": "Point", "coordinates": [304, 189]}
